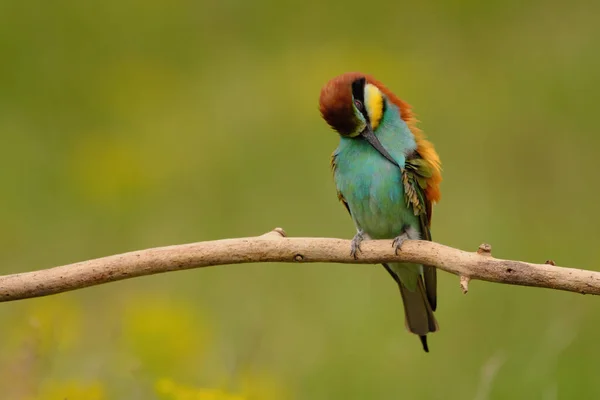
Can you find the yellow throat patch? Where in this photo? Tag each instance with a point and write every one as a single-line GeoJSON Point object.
{"type": "Point", "coordinates": [374, 104]}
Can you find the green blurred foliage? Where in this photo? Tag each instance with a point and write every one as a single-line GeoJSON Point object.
{"type": "Point", "coordinates": [130, 124]}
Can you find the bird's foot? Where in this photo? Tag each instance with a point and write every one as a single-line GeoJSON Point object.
{"type": "Point", "coordinates": [355, 246]}
{"type": "Point", "coordinates": [398, 241]}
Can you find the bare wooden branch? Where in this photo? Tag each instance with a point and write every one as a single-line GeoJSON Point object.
{"type": "Point", "coordinates": [274, 246]}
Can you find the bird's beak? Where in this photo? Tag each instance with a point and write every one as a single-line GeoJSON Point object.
{"type": "Point", "coordinates": [370, 137]}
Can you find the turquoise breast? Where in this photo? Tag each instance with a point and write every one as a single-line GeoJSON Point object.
{"type": "Point", "coordinates": [372, 187]}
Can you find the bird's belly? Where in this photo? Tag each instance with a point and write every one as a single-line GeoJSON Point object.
{"type": "Point", "coordinates": [377, 203]}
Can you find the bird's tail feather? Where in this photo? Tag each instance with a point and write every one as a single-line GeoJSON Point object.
{"type": "Point", "coordinates": [418, 312]}
{"type": "Point", "coordinates": [419, 316]}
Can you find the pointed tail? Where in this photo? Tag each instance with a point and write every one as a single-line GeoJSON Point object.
{"type": "Point", "coordinates": [418, 312]}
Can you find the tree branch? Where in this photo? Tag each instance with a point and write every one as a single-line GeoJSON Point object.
{"type": "Point", "coordinates": [276, 247]}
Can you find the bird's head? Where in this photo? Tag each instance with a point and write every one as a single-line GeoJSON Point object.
{"type": "Point", "coordinates": [354, 107]}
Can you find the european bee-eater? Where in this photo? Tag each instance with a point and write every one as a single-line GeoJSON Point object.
{"type": "Point", "coordinates": [387, 176]}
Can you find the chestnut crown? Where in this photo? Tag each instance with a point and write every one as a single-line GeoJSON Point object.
{"type": "Point", "coordinates": [349, 103]}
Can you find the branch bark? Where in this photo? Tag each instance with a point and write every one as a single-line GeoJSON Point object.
{"type": "Point", "coordinates": [274, 246]}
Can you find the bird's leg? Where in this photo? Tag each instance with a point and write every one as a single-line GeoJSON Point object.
{"type": "Point", "coordinates": [356, 241]}
{"type": "Point", "coordinates": [400, 239]}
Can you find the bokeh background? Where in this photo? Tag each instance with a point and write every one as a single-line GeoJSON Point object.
{"type": "Point", "coordinates": [132, 124]}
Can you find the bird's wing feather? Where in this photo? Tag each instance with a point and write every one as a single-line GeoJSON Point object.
{"type": "Point", "coordinates": [415, 178]}
{"type": "Point", "coordinates": [339, 194]}
{"type": "Point", "coordinates": [344, 202]}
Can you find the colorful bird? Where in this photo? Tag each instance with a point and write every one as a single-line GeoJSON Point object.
{"type": "Point", "coordinates": [387, 176]}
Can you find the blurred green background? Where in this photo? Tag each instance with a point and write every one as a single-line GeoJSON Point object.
{"type": "Point", "coordinates": [132, 124]}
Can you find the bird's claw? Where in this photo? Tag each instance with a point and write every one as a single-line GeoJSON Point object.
{"type": "Point", "coordinates": [355, 245]}
{"type": "Point", "coordinates": [398, 241]}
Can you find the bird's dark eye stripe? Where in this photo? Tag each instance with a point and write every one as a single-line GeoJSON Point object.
{"type": "Point", "coordinates": [358, 89]}
{"type": "Point", "coordinates": [358, 92]}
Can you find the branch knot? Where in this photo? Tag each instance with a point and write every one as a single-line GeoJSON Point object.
{"type": "Point", "coordinates": [485, 250]}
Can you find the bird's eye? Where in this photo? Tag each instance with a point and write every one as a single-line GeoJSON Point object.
{"type": "Point", "coordinates": [358, 105]}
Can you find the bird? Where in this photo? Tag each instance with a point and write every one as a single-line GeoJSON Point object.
{"type": "Point", "coordinates": [387, 175]}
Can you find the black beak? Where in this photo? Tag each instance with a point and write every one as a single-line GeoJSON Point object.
{"type": "Point", "coordinates": [370, 137]}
